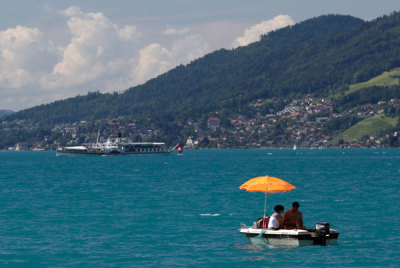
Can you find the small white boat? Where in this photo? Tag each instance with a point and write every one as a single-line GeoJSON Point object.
{"type": "Point", "coordinates": [322, 235]}
{"type": "Point", "coordinates": [260, 234]}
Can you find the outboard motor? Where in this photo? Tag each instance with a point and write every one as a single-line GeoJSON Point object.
{"type": "Point", "coordinates": [322, 229]}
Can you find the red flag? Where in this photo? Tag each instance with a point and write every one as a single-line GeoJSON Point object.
{"type": "Point", "coordinates": [179, 148]}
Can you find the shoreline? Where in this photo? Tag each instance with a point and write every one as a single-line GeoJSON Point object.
{"type": "Point", "coordinates": [262, 148]}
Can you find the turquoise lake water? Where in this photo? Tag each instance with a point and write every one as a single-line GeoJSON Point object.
{"type": "Point", "coordinates": [169, 210]}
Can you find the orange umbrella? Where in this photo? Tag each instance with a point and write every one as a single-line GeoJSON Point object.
{"type": "Point", "coordinates": [267, 184]}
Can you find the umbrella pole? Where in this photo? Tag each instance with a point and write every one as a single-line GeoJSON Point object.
{"type": "Point", "coordinates": [265, 210]}
{"type": "Point", "coordinates": [265, 204]}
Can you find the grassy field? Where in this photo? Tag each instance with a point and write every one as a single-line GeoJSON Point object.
{"type": "Point", "coordinates": [371, 126]}
{"type": "Point", "coordinates": [385, 79]}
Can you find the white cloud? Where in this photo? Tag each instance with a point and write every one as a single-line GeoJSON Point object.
{"type": "Point", "coordinates": [129, 32]}
{"type": "Point", "coordinates": [219, 34]}
{"type": "Point", "coordinates": [174, 31]}
{"type": "Point", "coordinates": [153, 60]}
{"type": "Point", "coordinates": [23, 54]}
{"type": "Point", "coordinates": [253, 33]}
{"type": "Point", "coordinates": [156, 59]}
{"type": "Point", "coordinates": [72, 11]}
{"type": "Point", "coordinates": [98, 48]}
{"type": "Point", "coordinates": [101, 54]}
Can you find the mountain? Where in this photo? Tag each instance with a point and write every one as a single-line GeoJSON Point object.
{"type": "Point", "coordinates": [320, 56]}
{"type": "Point", "coordinates": [316, 55]}
{"type": "Point", "coordinates": [4, 113]}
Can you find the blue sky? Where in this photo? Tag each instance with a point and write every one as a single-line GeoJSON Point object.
{"type": "Point", "coordinates": [52, 50]}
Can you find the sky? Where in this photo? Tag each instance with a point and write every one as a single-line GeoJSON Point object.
{"type": "Point", "coordinates": [51, 50]}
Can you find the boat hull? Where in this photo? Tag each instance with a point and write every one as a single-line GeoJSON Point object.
{"type": "Point", "coordinates": [62, 153]}
{"type": "Point", "coordinates": [288, 238]}
{"type": "Point", "coordinates": [280, 242]}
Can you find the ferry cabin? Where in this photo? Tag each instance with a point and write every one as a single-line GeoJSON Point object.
{"type": "Point", "coordinates": [145, 148]}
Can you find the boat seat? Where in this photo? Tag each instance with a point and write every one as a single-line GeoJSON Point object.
{"type": "Point", "coordinates": [262, 223]}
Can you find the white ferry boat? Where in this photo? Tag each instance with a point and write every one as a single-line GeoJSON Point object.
{"type": "Point", "coordinates": [117, 147]}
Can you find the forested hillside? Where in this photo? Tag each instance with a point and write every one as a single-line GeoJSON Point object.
{"type": "Point", "coordinates": [5, 113]}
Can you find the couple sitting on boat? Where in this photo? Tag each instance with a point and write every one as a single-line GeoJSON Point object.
{"type": "Point", "coordinates": [292, 219]}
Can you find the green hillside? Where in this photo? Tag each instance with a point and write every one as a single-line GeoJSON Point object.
{"type": "Point", "coordinates": [385, 79]}
{"type": "Point", "coordinates": [371, 126]}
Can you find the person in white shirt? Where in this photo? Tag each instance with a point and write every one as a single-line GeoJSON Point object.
{"type": "Point", "coordinates": [275, 221]}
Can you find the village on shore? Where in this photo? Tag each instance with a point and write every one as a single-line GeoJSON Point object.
{"type": "Point", "coordinates": [301, 123]}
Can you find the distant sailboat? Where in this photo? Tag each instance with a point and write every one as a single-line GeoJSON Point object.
{"type": "Point", "coordinates": [294, 147]}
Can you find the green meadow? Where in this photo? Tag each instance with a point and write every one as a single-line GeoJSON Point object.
{"type": "Point", "coordinates": [385, 79]}
{"type": "Point", "coordinates": [371, 126]}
